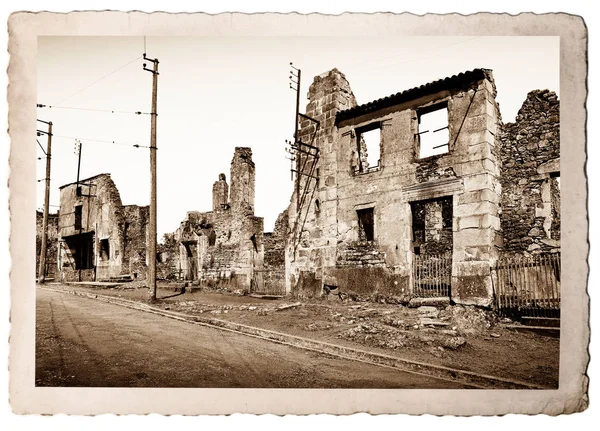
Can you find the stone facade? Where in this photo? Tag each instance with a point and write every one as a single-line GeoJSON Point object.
{"type": "Point", "coordinates": [356, 232]}
{"type": "Point", "coordinates": [530, 154]}
{"type": "Point", "coordinates": [223, 246]}
{"type": "Point", "coordinates": [99, 238]}
{"type": "Point", "coordinates": [51, 243]}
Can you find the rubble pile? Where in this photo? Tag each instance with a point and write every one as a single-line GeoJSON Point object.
{"type": "Point", "coordinates": [469, 320]}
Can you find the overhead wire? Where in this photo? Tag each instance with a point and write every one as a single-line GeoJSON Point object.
{"type": "Point", "coordinates": [99, 79]}
{"type": "Point", "coordinates": [112, 111]}
{"type": "Point", "coordinates": [131, 144]}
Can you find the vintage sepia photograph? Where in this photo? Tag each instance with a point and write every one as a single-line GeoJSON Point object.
{"type": "Point", "coordinates": [411, 222]}
{"type": "Point", "coordinates": [259, 211]}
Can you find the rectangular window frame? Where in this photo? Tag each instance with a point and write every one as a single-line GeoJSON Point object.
{"type": "Point", "coordinates": [78, 211]}
{"type": "Point", "coordinates": [358, 132]}
{"type": "Point", "coordinates": [420, 112]}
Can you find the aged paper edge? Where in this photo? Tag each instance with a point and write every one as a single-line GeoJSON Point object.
{"type": "Point", "coordinates": [25, 27]}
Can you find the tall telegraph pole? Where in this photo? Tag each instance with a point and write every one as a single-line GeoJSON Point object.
{"type": "Point", "coordinates": [296, 75]}
{"type": "Point", "coordinates": [42, 269]}
{"type": "Point", "coordinates": [151, 246]}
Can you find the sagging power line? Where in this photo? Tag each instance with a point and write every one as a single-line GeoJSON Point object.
{"type": "Point", "coordinates": [128, 144]}
{"type": "Point", "coordinates": [99, 79]}
{"type": "Point", "coordinates": [111, 111]}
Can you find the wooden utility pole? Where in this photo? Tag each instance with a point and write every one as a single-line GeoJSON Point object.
{"type": "Point", "coordinates": [298, 157]}
{"type": "Point", "coordinates": [151, 246]}
{"type": "Point", "coordinates": [42, 269]}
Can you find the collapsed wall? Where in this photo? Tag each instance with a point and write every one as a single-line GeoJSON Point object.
{"type": "Point", "coordinates": [530, 176]}
{"type": "Point", "coordinates": [223, 246]}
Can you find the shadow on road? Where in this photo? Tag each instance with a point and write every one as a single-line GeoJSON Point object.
{"type": "Point", "coordinates": [171, 296]}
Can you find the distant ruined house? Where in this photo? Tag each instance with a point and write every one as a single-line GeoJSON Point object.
{"type": "Point", "coordinates": [99, 238]}
{"type": "Point", "coordinates": [223, 246]}
{"type": "Point", "coordinates": [424, 187]}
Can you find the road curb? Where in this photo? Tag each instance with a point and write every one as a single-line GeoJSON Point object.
{"type": "Point", "coordinates": [470, 378]}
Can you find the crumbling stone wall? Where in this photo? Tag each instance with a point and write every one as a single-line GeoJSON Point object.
{"type": "Point", "coordinates": [313, 230]}
{"type": "Point", "coordinates": [51, 242]}
{"type": "Point", "coordinates": [220, 194]}
{"type": "Point", "coordinates": [274, 258]}
{"type": "Point", "coordinates": [135, 231]}
{"type": "Point", "coordinates": [322, 249]}
{"type": "Point", "coordinates": [221, 248]}
{"type": "Point", "coordinates": [167, 260]}
{"type": "Point", "coordinates": [115, 234]}
{"type": "Point", "coordinates": [530, 154]}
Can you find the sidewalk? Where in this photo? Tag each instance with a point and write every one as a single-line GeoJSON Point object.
{"type": "Point", "coordinates": [465, 338]}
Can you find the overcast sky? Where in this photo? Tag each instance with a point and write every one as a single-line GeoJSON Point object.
{"type": "Point", "coordinates": [216, 93]}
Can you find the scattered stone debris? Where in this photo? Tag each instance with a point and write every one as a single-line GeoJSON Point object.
{"type": "Point", "coordinates": [288, 306]}
{"type": "Point", "coordinates": [454, 342]}
{"type": "Point", "coordinates": [318, 326]}
{"type": "Point", "coordinates": [433, 322]}
{"type": "Point", "coordinates": [469, 319]}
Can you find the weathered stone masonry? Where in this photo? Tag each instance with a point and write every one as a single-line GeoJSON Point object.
{"type": "Point", "coordinates": [98, 237]}
{"type": "Point", "coordinates": [530, 154]}
{"type": "Point", "coordinates": [322, 251]}
{"type": "Point", "coordinates": [223, 246]}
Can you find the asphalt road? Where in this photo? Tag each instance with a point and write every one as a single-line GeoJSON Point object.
{"type": "Point", "coordinates": [88, 343]}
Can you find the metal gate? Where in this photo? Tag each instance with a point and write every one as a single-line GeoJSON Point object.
{"type": "Point", "coordinates": [528, 286]}
{"type": "Point", "coordinates": [268, 282]}
{"type": "Point", "coordinates": [432, 275]}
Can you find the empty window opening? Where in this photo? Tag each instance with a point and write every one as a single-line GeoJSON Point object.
{"type": "Point", "coordinates": [317, 206]}
{"type": "Point", "coordinates": [366, 228]}
{"type": "Point", "coordinates": [212, 238]}
{"type": "Point", "coordinates": [104, 249]}
{"type": "Point", "coordinates": [556, 176]}
{"type": "Point", "coordinates": [433, 136]}
{"type": "Point", "coordinates": [78, 216]}
{"type": "Point", "coordinates": [369, 148]}
{"type": "Point", "coordinates": [188, 250]}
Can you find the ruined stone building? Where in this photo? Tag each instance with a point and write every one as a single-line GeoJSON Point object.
{"type": "Point", "coordinates": [99, 238]}
{"type": "Point", "coordinates": [51, 242]}
{"type": "Point", "coordinates": [412, 183]}
{"type": "Point", "coordinates": [530, 176]}
{"type": "Point", "coordinates": [223, 246]}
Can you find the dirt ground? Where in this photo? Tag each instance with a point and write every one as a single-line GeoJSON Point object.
{"type": "Point", "coordinates": [86, 343]}
{"type": "Point", "coordinates": [467, 338]}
